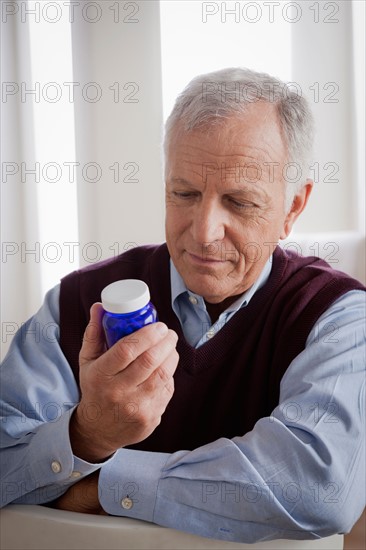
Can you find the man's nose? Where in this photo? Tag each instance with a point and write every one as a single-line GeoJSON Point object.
{"type": "Point", "coordinates": [208, 222]}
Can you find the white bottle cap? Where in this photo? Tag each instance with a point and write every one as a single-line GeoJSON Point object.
{"type": "Point", "coordinates": [125, 296]}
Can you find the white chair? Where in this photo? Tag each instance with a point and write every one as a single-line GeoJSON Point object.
{"type": "Point", "coordinates": [29, 527]}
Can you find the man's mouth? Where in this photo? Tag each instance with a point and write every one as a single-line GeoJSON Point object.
{"type": "Point", "coordinates": [205, 259]}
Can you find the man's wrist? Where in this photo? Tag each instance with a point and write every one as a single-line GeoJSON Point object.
{"type": "Point", "coordinates": [83, 444]}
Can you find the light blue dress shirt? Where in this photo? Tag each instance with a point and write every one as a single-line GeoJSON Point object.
{"type": "Point", "coordinates": [300, 473]}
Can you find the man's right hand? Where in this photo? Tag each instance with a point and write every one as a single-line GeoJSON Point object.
{"type": "Point", "coordinates": [124, 390]}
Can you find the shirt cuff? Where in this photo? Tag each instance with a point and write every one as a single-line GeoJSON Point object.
{"type": "Point", "coordinates": [81, 467]}
{"type": "Point", "coordinates": [128, 483]}
{"type": "Point", "coordinates": [64, 466]}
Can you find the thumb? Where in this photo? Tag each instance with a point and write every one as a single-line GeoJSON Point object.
{"type": "Point", "coordinates": [93, 340]}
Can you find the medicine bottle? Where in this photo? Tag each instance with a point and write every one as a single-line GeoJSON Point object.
{"type": "Point", "coordinates": [127, 308]}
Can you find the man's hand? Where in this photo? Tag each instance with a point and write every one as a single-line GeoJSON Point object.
{"type": "Point", "coordinates": [81, 497]}
{"type": "Point", "coordinates": [124, 390]}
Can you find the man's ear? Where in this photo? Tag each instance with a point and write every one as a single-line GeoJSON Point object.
{"type": "Point", "coordinates": [298, 204]}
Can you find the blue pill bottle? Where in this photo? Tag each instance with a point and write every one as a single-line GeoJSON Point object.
{"type": "Point", "coordinates": [127, 308]}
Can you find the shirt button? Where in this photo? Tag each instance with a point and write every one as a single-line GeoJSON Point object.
{"type": "Point", "coordinates": [210, 333]}
{"type": "Point", "coordinates": [127, 503]}
{"type": "Point", "coordinates": [193, 300]}
{"type": "Point", "coordinates": [56, 467]}
{"type": "Point", "coordinates": [75, 474]}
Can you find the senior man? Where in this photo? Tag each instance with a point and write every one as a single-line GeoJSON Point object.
{"type": "Point", "coordinates": [239, 416]}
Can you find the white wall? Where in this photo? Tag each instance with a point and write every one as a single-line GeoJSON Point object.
{"type": "Point", "coordinates": [323, 66]}
{"type": "Point", "coordinates": [126, 133]}
{"type": "Point", "coordinates": [199, 37]}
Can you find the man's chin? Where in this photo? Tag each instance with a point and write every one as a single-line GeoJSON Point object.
{"type": "Point", "coordinates": [207, 287]}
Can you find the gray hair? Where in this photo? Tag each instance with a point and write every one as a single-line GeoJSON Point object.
{"type": "Point", "coordinates": [214, 97]}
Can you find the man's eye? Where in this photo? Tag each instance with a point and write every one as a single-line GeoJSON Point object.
{"type": "Point", "coordinates": [240, 205]}
{"type": "Point", "coordinates": [183, 194]}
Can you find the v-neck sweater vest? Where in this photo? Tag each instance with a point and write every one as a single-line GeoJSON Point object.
{"type": "Point", "coordinates": [226, 385]}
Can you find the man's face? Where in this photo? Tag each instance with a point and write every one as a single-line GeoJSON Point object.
{"type": "Point", "coordinates": [225, 202]}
